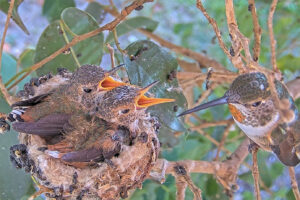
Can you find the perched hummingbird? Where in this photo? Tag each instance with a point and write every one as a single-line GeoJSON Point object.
{"type": "Point", "coordinates": [255, 111]}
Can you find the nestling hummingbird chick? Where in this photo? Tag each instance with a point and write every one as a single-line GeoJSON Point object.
{"type": "Point", "coordinates": [126, 104]}
{"type": "Point", "coordinates": [93, 125]}
{"type": "Point", "coordinates": [254, 110]}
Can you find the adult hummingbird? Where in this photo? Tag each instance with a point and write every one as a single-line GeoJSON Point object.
{"type": "Point", "coordinates": [255, 111]}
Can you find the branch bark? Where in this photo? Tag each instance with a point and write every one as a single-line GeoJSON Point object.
{"type": "Point", "coordinates": [226, 171]}
{"type": "Point", "coordinates": [110, 26]}
{"type": "Point", "coordinates": [294, 183]}
{"type": "Point", "coordinates": [256, 30]}
{"type": "Point", "coordinates": [202, 59]}
{"type": "Point", "coordinates": [271, 35]}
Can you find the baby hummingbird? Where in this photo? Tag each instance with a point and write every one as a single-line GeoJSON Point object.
{"type": "Point", "coordinates": [89, 125]}
{"type": "Point", "coordinates": [256, 112]}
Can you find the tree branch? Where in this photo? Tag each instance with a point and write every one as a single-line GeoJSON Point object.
{"type": "Point", "coordinates": [256, 30]}
{"type": "Point", "coordinates": [226, 171]}
{"type": "Point", "coordinates": [255, 172]}
{"type": "Point", "coordinates": [110, 26]}
{"type": "Point", "coordinates": [203, 60]}
{"type": "Point", "coordinates": [4, 91]}
{"type": "Point", "coordinates": [271, 35]}
{"type": "Point", "coordinates": [215, 27]}
{"type": "Point", "coordinates": [294, 183]}
{"type": "Point", "coordinates": [236, 45]}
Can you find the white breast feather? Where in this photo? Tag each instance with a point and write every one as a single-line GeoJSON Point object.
{"type": "Point", "coordinates": [259, 130]}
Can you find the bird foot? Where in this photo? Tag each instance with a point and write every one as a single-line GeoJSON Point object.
{"type": "Point", "coordinates": [252, 147]}
{"type": "Point", "coordinates": [29, 89]}
{"type": "Point", "coordinates": [110, 163]}
{"type": "Point", "coordinates": [4, 126]}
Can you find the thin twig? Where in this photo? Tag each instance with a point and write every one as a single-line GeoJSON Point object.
{"type": "Point", "coordinates": [213, 140]}
{"type": "Point", "coordinates": [222, 142]}
{"type": "Point", "coordinates": [110, 26]}
{"type": "Point", "coordinates": [294, 183]}
{"type": "Point", "coordinates": [236, 44]}
{"type": "Point", "coordinates": [112, 55]}
{"type": "Point", "coordinates": [202, 59]}
{"type": "Point", "coordinates": [61, 24]}
{"type": "Point", "coordinates": [213, 124]}
{"type": "Point", "coordinates": [225, 170]}
{"type": "Point", "coordinates": [204, 96]}
{"type": "Point", "coordinates": [255, 173]}
{"type": "Point", "coordinates": [216, 77]}
{"type": "Point", "coordinates": [117, 42]}
{"type": "Point", "coordinates": [215, 27]}
{"type": "Point", "coordinates": [181, 186]}
{"type": "Point", "coordinates": [245, 43]}
{"type": "Point", "coordinates": [4, 91]}
{"type": "Point", "coordinates": [180, 172]}
{"type": "Point", "coordinates": [256, 30]}
{"type": "Point", "coordinates": [271, 35]}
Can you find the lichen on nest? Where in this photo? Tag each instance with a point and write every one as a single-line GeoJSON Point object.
{"type": "Point", "coordinates": [125, 150]}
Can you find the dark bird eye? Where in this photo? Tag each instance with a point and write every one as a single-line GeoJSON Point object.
{"type": "Point", "coordinates": [256, 104]}
{"type": "Point", "coordinates": [125, 111]}
{"type": "Point", "coordinates": [87, 90]}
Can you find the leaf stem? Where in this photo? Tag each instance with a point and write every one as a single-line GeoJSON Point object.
{"type": "Point", "coordinates": [110, 26]}
{"type": "Point", "coordinates": [16, 76]}
{"type": "Point", "coordinates": [62, 25]}
{"type": "Point", "coordinates": [117, 41]}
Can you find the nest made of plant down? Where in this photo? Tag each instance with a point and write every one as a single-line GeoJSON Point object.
{"type": "Point", "coordinates": [108, 179]}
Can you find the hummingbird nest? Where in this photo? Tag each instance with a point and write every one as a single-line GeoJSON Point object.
{"type": "Point", "coordinates": [128, 151]}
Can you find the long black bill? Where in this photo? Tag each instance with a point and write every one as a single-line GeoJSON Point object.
{"type": "Point", "coordinates": [222, 100]}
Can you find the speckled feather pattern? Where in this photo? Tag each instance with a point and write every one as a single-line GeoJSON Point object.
{"type": "Point", "coordinates": [127, 140]}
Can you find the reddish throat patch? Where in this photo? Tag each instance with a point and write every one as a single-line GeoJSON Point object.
{"type": "Point", "coordinates": [238, 116]}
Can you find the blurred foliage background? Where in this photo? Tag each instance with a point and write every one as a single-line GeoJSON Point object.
{"type": "Point", "coordinates": [178, 21]}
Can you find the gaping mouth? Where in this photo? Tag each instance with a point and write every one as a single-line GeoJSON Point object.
{"type": "Point", "coordinates": [143, 101]}
{"type": "Point", "coordinates": [109, 83]}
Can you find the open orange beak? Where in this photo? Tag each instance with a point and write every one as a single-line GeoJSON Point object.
{"type": "Point", "coordinates": [142, 101]}
{"type": "Point", "coordinates": [109, 83]}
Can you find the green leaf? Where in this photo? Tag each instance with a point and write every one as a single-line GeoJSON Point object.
{"type": "Point", "coordinates": [211, 186]}
{"type": "Point", "coordinates": [4, 5]}
{"type": "Point", "coordinates": [9, 66]}
{"type": "Point", "coordinates": [9, 69]}
{"type": "Point", "coordinates": [53, 8]}
{"type": "Point", "coordinates": [132, 24]}
{"type": "Point", "coordinates": [89, 51]}
{"type": "Point", "coordinates": [152, 63]}
{"type": "Point", "coordinates": [289, 62]}
{"type": "Point", "coordinates": [13, 183]}
{"type": "Point", "coordinates": [97, 11]}
{"type": "Point", "coordinates": [26, 58]}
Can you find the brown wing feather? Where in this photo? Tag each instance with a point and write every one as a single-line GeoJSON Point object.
{"type": "Point", "coordinates": [51, 125]}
